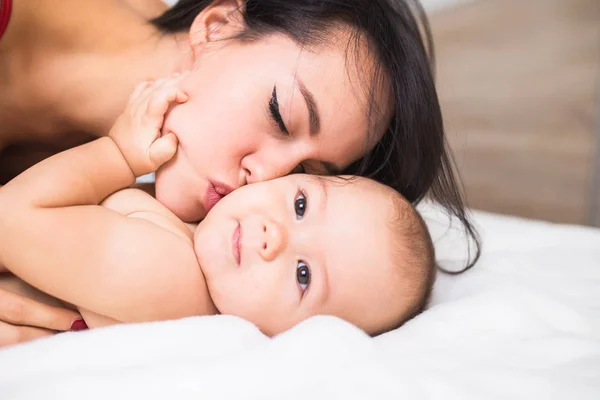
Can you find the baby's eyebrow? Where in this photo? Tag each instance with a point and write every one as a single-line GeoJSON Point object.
{"type": "Point", "coordinates": [322, 185]}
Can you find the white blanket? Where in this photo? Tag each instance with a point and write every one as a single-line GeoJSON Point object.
{"type": "Point", "coordinates": [523, 324]}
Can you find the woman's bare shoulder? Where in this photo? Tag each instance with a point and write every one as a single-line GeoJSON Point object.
{"type": "Point", "coordinates": [57, 20]}
{"type": "Point", "coordinates": [147, 9]}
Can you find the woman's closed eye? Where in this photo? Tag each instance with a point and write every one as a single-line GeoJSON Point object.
{"type": "Point", "coordinates": [302, 275]}
{"type": "Point", "coordinates": [299, 169]}
{"type": "Point", "coordinates": [276, 114]}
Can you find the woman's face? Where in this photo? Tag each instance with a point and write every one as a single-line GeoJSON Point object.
{"type": "Point", "coordinates": [261, 110]}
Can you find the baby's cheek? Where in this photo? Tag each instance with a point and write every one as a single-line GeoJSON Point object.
{"type": "Point", "coordinates": [257, 307]}
{"type": "Point", "coordinates": [250, 296]}
{"type": "Point", "coordinates": [258, 297]}
{"type": "Point", "coordinates": [235, 294]}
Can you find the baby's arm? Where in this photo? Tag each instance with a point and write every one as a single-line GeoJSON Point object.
{"type": "Point", "coordinates": [57, 238]}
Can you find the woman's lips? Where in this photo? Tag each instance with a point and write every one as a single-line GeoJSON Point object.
{"type": "Point", "coordinates": [235, 243]}
{"type": "Point", "coordinates": [212, 197]}
{"type": "Point", "coordinates": [215, 192]}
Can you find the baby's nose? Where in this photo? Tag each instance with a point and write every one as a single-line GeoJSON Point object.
{"type": "Point", "coordinates": [274, 240]}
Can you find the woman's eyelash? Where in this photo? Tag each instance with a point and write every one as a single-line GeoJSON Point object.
{"type": "Point", "coordinates": [275, 114]}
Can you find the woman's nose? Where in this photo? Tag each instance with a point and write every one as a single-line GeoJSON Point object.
{"type": "Point", "coordinates": [274, 240]}
{"type": "Point", "coordinates": [264, 167]}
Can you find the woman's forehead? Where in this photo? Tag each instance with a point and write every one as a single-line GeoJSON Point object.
{"type": "Point", "coordinates": [340, 52]}
{"type": "Point", "coordinates": [340, 72]}
{"type": "Point", "coordinates": [351, 111]}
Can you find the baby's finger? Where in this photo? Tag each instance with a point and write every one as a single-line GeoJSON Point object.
{"type": "Point", "coordinates": [180, 76]}
{"type": "Point", "coordinates": [164, 83]}
{"type": "Point", "coordinates": [139, 89]}
{"type": "Point", "coordinates": [182, 96]}
{"type": "Point", "coordinates": [151, 88]}
{"type": "Point", "coordinates": [163, 149]}
{"type": "Point", "coordinates": [158, 84]}
{"type": "Point", "coordinates": [159, 103]}
{"type": "Point", "coordinates": [175, 80]}
{"type": "Point", "coordinates": [172, 92]}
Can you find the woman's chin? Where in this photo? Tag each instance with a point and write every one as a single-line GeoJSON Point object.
{"type": "Point", "coordinates": [187, 210]}
{"type": "Point", "coordinates": [172, 196]}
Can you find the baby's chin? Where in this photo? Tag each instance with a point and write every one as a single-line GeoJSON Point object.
{"type": "Point", "coordinates": [271, 329]}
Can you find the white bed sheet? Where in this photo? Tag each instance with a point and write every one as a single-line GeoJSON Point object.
{"type": "Point", "coordinates": [523, 324]}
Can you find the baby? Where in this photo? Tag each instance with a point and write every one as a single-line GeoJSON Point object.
{"type": "Point", "coordinates": [273, 253]}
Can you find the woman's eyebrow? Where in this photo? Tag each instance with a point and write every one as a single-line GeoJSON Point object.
{"type": "Point", "coordinates": [314, 119]}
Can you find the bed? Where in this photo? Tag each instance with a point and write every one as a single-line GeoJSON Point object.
{"type": "Point", "coordinates": [523, 324]}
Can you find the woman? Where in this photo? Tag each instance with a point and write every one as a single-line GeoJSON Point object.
{"type": "Point", "coordinates": [319, 86]}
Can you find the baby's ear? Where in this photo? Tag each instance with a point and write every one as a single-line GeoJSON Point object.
{"type": "Point", "coordinates": [222, 19]}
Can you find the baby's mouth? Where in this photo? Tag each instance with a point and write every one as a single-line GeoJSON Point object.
{"type": "Point", "coordinates": [236, 241]}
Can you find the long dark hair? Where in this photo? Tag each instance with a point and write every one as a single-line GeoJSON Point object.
{"type": "Point", "coordinates": [413, 156]}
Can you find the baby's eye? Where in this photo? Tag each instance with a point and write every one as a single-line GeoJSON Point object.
{"type": "Point", "coordinates": [300, 204]}
{"type": "Point", "coordinates": [303, 275]}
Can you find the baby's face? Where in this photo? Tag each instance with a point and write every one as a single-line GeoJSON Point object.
{"type": "Point", "coordinates": [278, 252]}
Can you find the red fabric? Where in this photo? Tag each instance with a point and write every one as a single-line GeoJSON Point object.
{"type": "Point", "coordinates": [5, 10]}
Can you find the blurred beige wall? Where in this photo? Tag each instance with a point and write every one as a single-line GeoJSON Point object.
{"type": "Point", "coordinates": [518, 82]}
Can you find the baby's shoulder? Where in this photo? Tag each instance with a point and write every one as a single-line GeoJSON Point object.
{"type": "Point", "coordinates": [136, 203]}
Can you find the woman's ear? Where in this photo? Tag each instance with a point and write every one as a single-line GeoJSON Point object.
{"type": "Point", "coordinates": [222, 19]}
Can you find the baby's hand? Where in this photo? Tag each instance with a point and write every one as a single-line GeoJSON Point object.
{"type": "Point", "coordinates": [137, 132]}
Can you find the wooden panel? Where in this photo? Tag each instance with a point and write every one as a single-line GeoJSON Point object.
{"type": "Point", "coordinates": [518, 83]}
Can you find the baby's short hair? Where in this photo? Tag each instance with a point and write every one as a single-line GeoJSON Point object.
{"type": "Point", "coordinates": [414, 256]}
{"type": "Point", "coordinates": [401, 281]}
